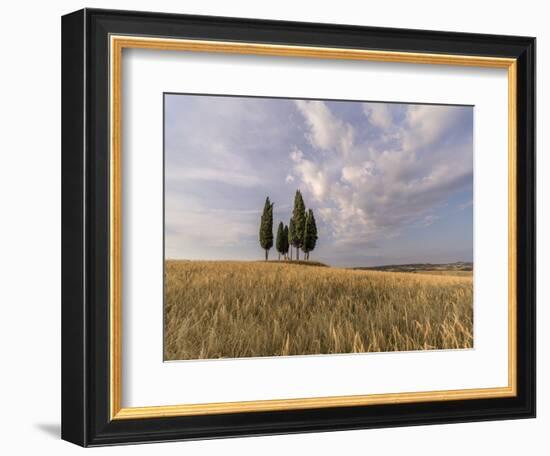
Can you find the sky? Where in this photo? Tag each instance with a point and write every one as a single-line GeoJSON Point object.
{"type": "Point", "coordinates": [389, 183]}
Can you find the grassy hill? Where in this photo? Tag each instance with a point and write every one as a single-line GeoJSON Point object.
{"type": "Point", "coordinates": [247, 309]}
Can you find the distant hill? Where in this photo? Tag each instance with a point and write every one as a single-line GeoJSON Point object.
{"type": "Point", "coordinates": [459, 266]}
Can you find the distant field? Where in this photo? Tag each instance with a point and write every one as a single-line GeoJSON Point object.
{"type": "Point", "coordinates": [246, 309]}
{"type": "Point", "coordinates": [447, 273]}
{"type": "Point", "coordinates": [458, 268]}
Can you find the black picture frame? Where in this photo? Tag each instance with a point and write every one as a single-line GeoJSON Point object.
{"type": "Point", "coordinates": [85, 228]}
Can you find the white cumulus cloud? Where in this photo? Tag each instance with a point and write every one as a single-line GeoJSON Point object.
{"type": "Point", "coordinates": [327, 132]}
{"type": "Point", "coordinates": [311, 174]}
{"type": "Point", "coordinates": [385, 184]}
{"type": "Point", "coordinates": [379, 114]}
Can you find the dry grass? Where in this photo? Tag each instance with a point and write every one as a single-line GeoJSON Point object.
{"type": "Point", "coordinates": [447, 273]}
{"type": "Point", "coordinates": [244, 309]}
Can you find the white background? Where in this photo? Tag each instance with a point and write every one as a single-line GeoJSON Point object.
{"type": "Point", "coordinates": [147, 74]}
{"type": "Point", "coordinates": [30, 228]}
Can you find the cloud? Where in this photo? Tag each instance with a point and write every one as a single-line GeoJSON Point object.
{"type": "Point", "coordinates": [427, 124]}
{"type": "Point", "coordinates": [379, 114]}
{"type": "Point", "coordinates": [289, 179]}
{"type": "Point", "coordinates": [358, 174]}
{"type": "Point", "coordinates": [465, 205]}
{"type": "Point", "coordinates": [195, 231]}
{"type": "Point", "coordinates": [428, 220]}
{"type": "Point", "coordinates": [226, 176]}
{"type": "Point", "coordinates": [388, 182]}
{"type": "Point", "coordinates": [311, 174]}
{"type": "Point", "coordinates": [326, 132]}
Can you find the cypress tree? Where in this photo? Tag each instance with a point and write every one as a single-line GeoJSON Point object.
{"type": "Point", "coordinates": [306, 238]}
{"type": "Point", "coordinates": [291, 235]}
{"type": "Point", "coordinates": [280, 240]}
{"type": "Point", "coordinates": [310, 234]}
{"type": "Point", "coordinates": [314, 234]}
{"type": "Point", "coordinates": [266, 227]}
{"type": "Point", "coordinates": [285, 242]}
{"type": "Point", "coordinates": [299, 216]}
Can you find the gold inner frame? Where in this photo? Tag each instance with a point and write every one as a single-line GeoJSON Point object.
{"type": "Point", "coordinates": [117, 44]}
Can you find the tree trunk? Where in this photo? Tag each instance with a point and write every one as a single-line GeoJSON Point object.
{"type": "Point", "coordinates": [266, 251]}
{"type": "Point", "coordinates": [290, 253]}
{"type": "Point", "coordinates": [279, 256]}
{"type": "Point", "coordinates": [297, 253]}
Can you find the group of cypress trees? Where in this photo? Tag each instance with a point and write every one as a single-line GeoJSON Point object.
{"type": "Point", "coordinates": [300, 233]}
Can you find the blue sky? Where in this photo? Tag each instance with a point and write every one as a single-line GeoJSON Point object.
{"type": "Point", "coordinates": [389, 183]}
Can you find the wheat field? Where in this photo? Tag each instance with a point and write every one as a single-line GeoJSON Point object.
{"type": "Point", "coordinates": [216, 309]}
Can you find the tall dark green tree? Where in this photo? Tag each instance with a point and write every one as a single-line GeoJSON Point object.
{"type": "Point", "coordinates": [291, 235]}
{"type": "Point", "coordinates": [286, 243]}
{"type": "Point", "coordinates": [299, 216]}
{"type": "Point", "coordinates": [315, 234]}
{"type": "Point", "coordinates": [310, 234]}
{"type": "Point", "coordinates": [280, 239]}
{"type": "Point", "coordinates": [266, 227]}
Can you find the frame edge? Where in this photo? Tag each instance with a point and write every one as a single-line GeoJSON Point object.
{"type": "Point", "coordinates": [73, 302]}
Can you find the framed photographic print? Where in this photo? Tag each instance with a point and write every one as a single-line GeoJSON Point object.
{"type": "Point", "coordinates": [279, 227]}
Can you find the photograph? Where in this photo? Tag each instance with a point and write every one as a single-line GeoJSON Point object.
{"type": "Point", "coordinates": [315, 227]}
